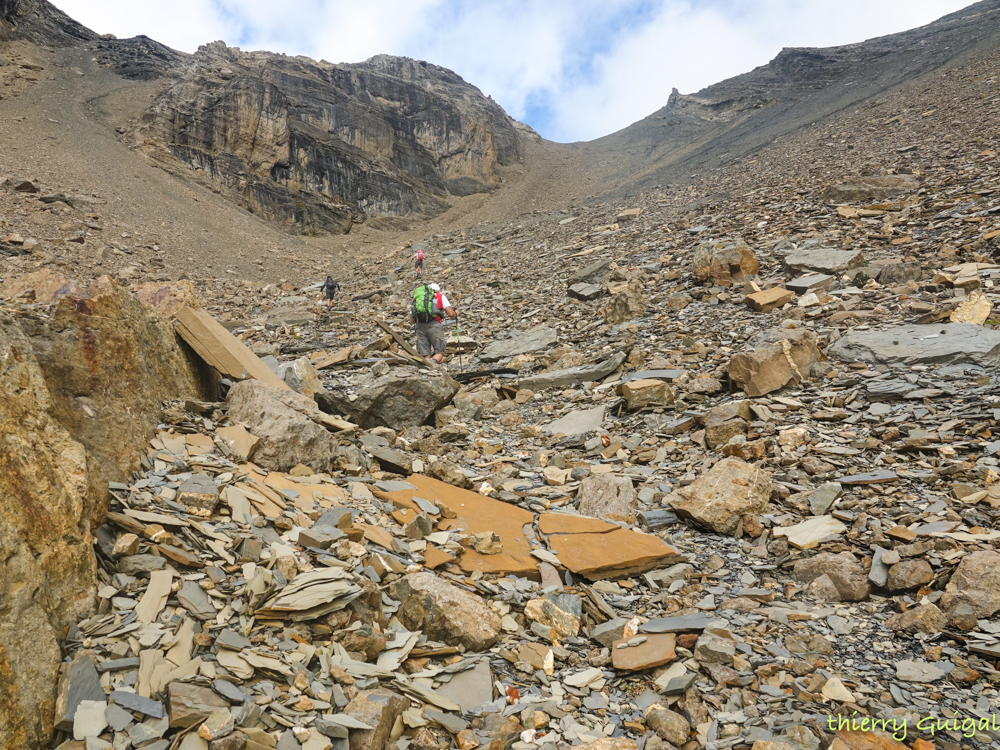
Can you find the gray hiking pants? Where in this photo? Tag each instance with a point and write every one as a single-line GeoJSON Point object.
{"type": "Point", "coordinates": [431, 338]}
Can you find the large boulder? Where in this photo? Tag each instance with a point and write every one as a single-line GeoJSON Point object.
{"type": "Point", "coordinates": [287, 424]}
{"type": "Point", "coordinates": [975, 582]}
{"type": "Point", "coordinates": [445, 612]}
{"type": "Point", "coordinates": [406, 397]}
{"type": "Point", "coordinates": [908, 345]}
{"type": "Point", "coordinates": [720, 499]}
{"type": "Point", "coordinates": [47, 566]}
{"type": "Point", "coordinates": [776, 359]}
{"type": "Point", "coordinates": [833, 577]}
{"type": "Point", "coordinates": [724, 262]}
{"type": "Point", "coordinates": [109, 362]}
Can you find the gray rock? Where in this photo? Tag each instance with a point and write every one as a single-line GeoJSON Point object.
{"type": "Point", "coordinates": [608, 632]}
{"type": "Point", "coordinates": [608, 496]}
{"type": "Point", "coordinates": [118, 718]}
{"type": "Point", "coordinates": [199, 491]}
{"type": "Point", "coordinates": [136, 703]}
{"type": "Point", "coordinates": [406, 397]}
{"type": "Point", "coordinates": [595, 273]}
{"type": "Point", "coordinates": [537, 339]}
{"type": "Point", "coordinates": [78, 681]}
{"type": "Point", "coordinates": [471, 688]}
{"type": "Point", "coordinates": [942, 343]}
{"type": "Point", "coordinates": [826, 260]}
{"type": "Point", "coordinates": [286, 423]}
{"type": "Point", "coordinates": [586, 292]}
{"type": "Point", "coordinates": [823, 497]}
{"type": "Point", "coordinates": [573, 375]}
{"type": "Point", "coordinates": [194, 599]}
{"type": "Point", "coordinates": [678, 624]}
{"type": "Point", "coordinates": [899, 273]}
{"type": "Point", "coordinates": [814, 282]}
{"type": "Point", "coordinates": [228, 691]}
{"type": "Point", "coordinates": [577, 422]}
{"type": "Point", "coordinates": [879, 573]}
{"type": "Point", "coordinates": [920, 671]}
{"type": "Point", "coordinates": [89, 720]}
{"type": "Point", "coordinates": [136, 564]}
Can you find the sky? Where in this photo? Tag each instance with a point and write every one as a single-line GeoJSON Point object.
{"type": "Point", "coordinates": [571, 69]}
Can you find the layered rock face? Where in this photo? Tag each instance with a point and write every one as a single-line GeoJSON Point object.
{"type": "Point", "coordinates": [316, 147]}
{"type": "Point", "coordinates": [47, 570]}
{"type": "Point", "coordinates": [80, 387]}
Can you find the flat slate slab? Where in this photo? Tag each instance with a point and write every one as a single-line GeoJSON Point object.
{"type": "Point", "coordinates": [826, 260]}
{"type": "Point", "coordinates": [941, 343]}
{"type": "Point", "coordinates": [534, 340]}
{"type": "Point", "coordinates": [679, 624]}
{"type": "Point", "coordinates": [577, 422]}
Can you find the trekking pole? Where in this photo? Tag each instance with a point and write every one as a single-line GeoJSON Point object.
{"type": "Point", "coordinates": [458, 339]}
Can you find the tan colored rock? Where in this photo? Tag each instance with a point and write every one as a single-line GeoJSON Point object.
{"type": "Point", "coordinates": [445, 612]}
{"type": "Point", "coordinates": [646, 392]}
{"type": "Point", "coordinates": [783, 358]}
{"type": "Point", "coordinates": [769, 299]}
{"type": "Point", "coordinates": [43, 286]}
{"type": "Point", "coordinates": [975, 309]}
{"type": "Point", "coordinates": [926, 618]}
{"type": "Point", "coordinates": [843, 570]}
{"type": "Point", "coordinates": [167, 297]}
{"type": "Point", "coordinates": [975, 582]}
{"type": "Point", "coordinates": [724, 262]}
{"type": "Point", "coordinates": [656, 650]}
{"type": "Point", "coordinates": [626, 304]}
{"type": "Point", "coordinates": [287, 424]}
{"type": "Point", "coordinates": [721, 498]}
{"type": "Point", "coordinates": [379, 709]}
{"type": "Point", "coordinates": [302, 377]}
{"type": "Point", "coordinates": [669, 725]}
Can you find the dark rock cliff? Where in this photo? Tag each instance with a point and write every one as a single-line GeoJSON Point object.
{"type": "Point", "coordinates": [318, 147]}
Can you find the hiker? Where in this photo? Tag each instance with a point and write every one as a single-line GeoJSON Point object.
{"type": "Point", "coordinates": [429, 304]}
{"type": "Point", "coordinates": [329, 289]}
{"type": "Point", "coordinates": [418, 263]}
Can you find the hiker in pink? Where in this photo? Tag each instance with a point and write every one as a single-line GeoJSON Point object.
{"type": "Point", "coordinates": [419, 263]}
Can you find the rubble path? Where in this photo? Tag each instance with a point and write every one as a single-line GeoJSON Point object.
{"type": "Point", "coordinates": [824, 547]}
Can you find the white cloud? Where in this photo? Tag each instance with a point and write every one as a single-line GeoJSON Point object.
{"type": "Point", "coordinates": [574, 69]}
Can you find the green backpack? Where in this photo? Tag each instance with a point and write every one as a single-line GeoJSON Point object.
{"type": "Point", "coordinates": [425, 306]}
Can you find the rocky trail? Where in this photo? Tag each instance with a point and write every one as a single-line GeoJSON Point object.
{"type": "Point", "coordinates": [709, 467]}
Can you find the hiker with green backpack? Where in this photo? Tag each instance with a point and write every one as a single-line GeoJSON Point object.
{"type": "Point", "coordinates": [429, 305]}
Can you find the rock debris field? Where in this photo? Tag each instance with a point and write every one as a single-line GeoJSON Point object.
{"type": "Point", "coordinates": [716, 465]}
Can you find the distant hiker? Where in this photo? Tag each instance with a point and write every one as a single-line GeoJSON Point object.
{"type": "Point", "coordinates": [429, 304]}
{"type": "Point", "coordinates": [418, 263]}
{"type": "Point", "coordinates": [329, 289]}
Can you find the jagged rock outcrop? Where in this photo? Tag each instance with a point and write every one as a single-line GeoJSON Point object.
{"type": "Point", "coordinates": [81, 389]}
{"type": "Point", "coordinates": [317, 147]}
{"type": "Point", "coordinates": [40, 22]}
